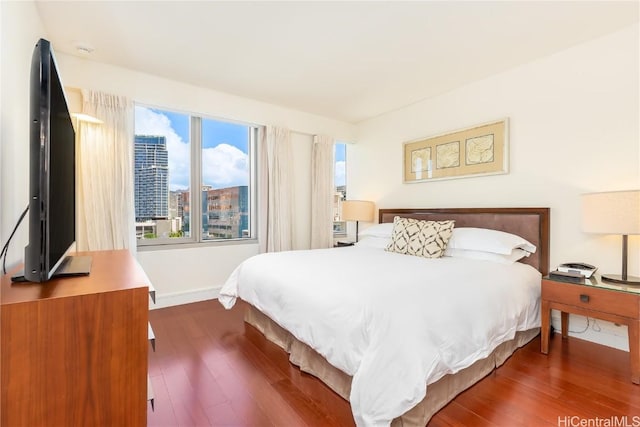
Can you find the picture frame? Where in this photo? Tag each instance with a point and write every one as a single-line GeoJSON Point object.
{"type": "Point", "coordinates": [478, 150]}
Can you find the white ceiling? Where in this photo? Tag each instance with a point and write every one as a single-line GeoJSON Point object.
{"type": "Point", "coordinates": [346, 60]}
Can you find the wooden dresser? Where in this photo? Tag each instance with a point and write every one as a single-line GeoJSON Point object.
{"type": "Point", "coordinates": [74, 350]}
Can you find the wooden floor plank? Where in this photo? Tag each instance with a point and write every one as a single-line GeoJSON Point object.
{"type": "Point", "coordinates": [458, 415]}
{"type": "Point", "coordinates": [212, 369]}
{"type": "Point", "coordinates": [224, 414]}
{"type": "Point", "coordinates": [493, 407]}
{"type": "Point", "coordinates": [161, 415]}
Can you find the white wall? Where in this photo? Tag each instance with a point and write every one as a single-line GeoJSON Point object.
{"type": "Point", "coordinates": [574, 128]}
{"type": "Point", "coordinates": [20, 29]}
{"type": "Point", "coordinates": [191, 274]}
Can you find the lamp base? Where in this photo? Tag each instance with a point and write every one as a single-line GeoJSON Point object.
{"type": "Point", "coordinates": [617, 278]}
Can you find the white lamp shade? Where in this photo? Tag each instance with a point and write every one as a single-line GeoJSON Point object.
{"type": "Point", "coordinates": [357, 210]}
{"type": "Point", "coordinates": [613, 212]}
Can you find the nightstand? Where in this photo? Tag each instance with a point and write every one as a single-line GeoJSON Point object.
{"type": "Point", "coordinates": [593, 298]}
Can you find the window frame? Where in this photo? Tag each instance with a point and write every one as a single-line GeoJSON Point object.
{"type": "Point", "coordinates": [195, 238]}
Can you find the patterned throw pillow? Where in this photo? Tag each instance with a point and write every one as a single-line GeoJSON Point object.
{"type": "Point", "coordinates": [420, 238]}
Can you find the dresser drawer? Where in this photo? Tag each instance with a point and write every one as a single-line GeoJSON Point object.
{"type": "Point", "coordinates": [588, 297]}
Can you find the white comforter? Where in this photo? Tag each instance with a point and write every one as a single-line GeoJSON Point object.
{"type": "Point", "coordinates": [394, 322]}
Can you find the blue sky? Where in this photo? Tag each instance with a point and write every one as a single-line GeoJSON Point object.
{"type": "Point", "coordinates": [340, 163]}
{"type": "Point", "coordinates": [179, 122]}
{"type": "Point", "coordinates": [214, 132]}
{"type": "Point", "coordinates": [341, 152]}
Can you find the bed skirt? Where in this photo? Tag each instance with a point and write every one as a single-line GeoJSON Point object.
{"type": "Point", "coordinates": [438, 394]}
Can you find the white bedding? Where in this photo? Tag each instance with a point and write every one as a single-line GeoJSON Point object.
{"type": "Point", "coordinates": [394, 322]}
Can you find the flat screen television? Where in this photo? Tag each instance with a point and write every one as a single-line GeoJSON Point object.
{"type": "Point", "coordinates": [52, 184]}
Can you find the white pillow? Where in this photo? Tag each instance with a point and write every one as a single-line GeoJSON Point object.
{"type": "Point", "coordinates": [373, 242]}
{"type": "Point", "coordinates": [515, 255]}
{"type": "Point", "coordinates": [486, 240]}
{"type": "Point", "coordinates": [379, 230]}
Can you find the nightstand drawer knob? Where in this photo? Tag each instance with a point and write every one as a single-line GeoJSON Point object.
{"type": "Point", "coordinates": [584, 298]}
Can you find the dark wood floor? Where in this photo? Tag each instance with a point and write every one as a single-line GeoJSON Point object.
{"type": "Point", "coordinates": [209, 369]}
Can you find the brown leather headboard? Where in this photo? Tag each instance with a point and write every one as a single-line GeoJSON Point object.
{"type": "Point", "coordinates": [529, 223]}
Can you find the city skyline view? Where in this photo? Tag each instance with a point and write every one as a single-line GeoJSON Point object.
{"type": "Point", "coordinates": [224, 148]}
{"type": "Point", "coordinates": [165, 213]}
{"type": "Point", "coordinates": [163, 156]}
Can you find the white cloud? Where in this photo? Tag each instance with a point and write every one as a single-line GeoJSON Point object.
{"type": "Point", "coordinates": [340, 173]}
{"type": "Point", "coordinates": [149, 122]}
{"type": "Point", "coordinates": [223, 165]}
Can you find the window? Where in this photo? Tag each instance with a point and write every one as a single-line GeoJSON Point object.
{"type": "Point", "coordinates": [175, 154]}
{"type": "Point", "coordinates": [225, 176]}
{"type": "Point", "coordinates": [340, 194]}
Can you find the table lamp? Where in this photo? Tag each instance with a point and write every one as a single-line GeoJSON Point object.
{"type": "Point", "coordinates": [613, 212]}
{"type": "Point", "coordinates": [357, 210]}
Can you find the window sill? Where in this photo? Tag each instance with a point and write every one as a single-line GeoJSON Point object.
{"type": "Point", "coordinates": [189, 245]}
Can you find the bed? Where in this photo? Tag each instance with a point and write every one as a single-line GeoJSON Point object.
{"type": "Point", "coordinates": [385, 330]}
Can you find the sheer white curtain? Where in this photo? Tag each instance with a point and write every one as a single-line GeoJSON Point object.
{"type": "Point", "coordinates": [322, 189]}
{"type": "Point", "coordinates": [275, 194]}
{"type": "Point", "coordinates": [104, 173]}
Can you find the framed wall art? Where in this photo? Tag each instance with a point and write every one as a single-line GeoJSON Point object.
{"type": "Point", "coordinates": [474, 151]}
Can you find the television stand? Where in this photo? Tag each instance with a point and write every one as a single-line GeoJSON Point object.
{"type": "Point", "coordinates": [71, 266]}
{"type": "Point", "coordinates": [74, 266]}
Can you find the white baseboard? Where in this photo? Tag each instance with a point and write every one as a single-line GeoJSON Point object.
{"type": "Point", "coordinates": [184, 297]}
{"type": "Point", "coordinates": [598, 331]}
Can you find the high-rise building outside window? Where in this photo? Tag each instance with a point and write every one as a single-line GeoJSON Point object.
{"type": "Point", "coordinates": [151, 178]}
{"type": "Point", "coordinates": [193, 178]}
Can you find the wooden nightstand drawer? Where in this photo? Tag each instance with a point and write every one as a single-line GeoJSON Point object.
{"type": "Point", "coordinates": [592, 298]}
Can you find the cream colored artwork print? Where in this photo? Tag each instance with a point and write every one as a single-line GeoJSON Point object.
{"type": "Point", "coordinates": [479, 150]}
{"type": "Point", "coordinates": [448, 155]}
{"type": "Point", "coordinates": [420, 160]}
{"type": "Point", "coordinates": [473, 151]}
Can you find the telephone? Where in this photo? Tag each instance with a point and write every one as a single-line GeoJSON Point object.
{"type": "Point", "coordinates": [578, 267]}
